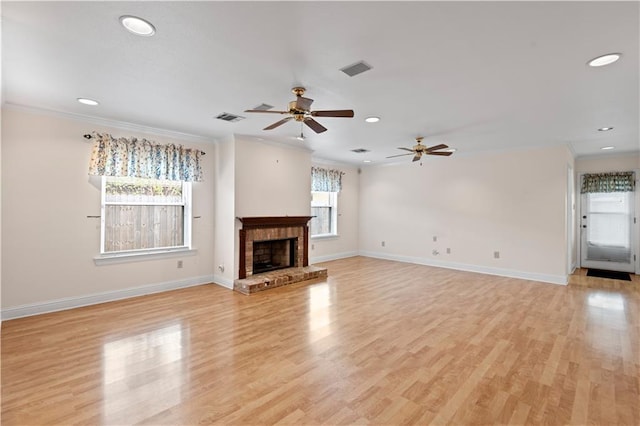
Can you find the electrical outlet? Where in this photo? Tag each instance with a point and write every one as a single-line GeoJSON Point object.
{"type": "Point", "coordinates": [496, 255]}
{"type": "Point", "coordinates": [221, 268]}
{"type": "Point", "coordinates": [435, 252]}
{"type": "Point", "coordinates": [382, 243]}
{"type": "Point", "coordinates": [179, 264]}
{"type": "Point", "coordinates": [448, 250]}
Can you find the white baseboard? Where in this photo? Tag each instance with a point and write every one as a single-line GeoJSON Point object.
{"type": "Point", "coordinates": [546, 278]}
{"type": "Point", "coordinates": [92, 299]}
{"type": "Point", "coordinates": [223, 282]}
{"type": "Point", "coordinates": [335, 256]}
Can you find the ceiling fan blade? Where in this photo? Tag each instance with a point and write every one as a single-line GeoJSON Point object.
{"type": "Point", "coordinates": [407, 149]}
{"type": "Point", "coordinates": [303, 103]}
{"type": "Point", "coordinates": [315, 126]}
{"type": "Point", "coordinates": [437, 147]}
{"type": "Point", "coordinates": [399, 155]}
{"type": "Point", "coordinates": [333, 113]}
{"type": "Point", "coordinates": [444, 153]}
{"type": "Point", "coordinates": [269, 111]}
{"type": "Point", "coordinates": [417, 157]}
{"type": "Point", "coordinates": [278, 123]}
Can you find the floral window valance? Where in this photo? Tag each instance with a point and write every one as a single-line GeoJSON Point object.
{"type": "Point", "coordinates": [142, 158]}
{"type": "Point", "coordinates": [326, 180]}
{"type": "Point", "coordinates": [608, 182]}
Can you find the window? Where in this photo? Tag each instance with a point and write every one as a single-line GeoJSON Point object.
{"type": "Point", "coordinates": [610, 219]}
{"type": "Point", "coordinates": [142, 215]}
{"type": "Point", "coordinates": [324, 206]}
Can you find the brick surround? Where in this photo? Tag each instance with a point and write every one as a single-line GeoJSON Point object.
{"type": "Point", "coordinates": [272, 228]}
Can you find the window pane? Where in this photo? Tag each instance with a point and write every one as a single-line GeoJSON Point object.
{"type": "Point", "coordinates": [134, 190]}
{"type": "Point", "coordinates": [324, 208]}
{"type": "Point", "coordinates": [142, 227]}
{"type": "Point", "coordinates": [144, 214]}
{"type": "Point", "coordinates": [320, 199]}
{"type": "Point", "coordinates": [609, 228]}
{"type": "Point", "coordinates": [321, 223]}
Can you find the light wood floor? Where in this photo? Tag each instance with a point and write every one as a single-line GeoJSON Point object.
{"type": "Point", "coordinates": [378, 342]}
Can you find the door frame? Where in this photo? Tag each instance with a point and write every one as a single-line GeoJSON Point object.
{"type": "Point", "coordinates": [635, 232]}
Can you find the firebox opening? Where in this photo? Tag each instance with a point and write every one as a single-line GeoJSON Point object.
{"type": "Point", "coordinates": [273, 254]}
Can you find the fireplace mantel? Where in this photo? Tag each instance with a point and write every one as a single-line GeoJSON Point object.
{"type": "Point", "coordinates": [273, 221]}
{"type": "Point", "coordinates": [265, 228]}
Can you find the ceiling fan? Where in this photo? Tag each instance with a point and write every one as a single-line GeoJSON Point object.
{"type": "Point", "coordinates": [420, 149]}
{"type": "Point", "coordinates": [299, 110]}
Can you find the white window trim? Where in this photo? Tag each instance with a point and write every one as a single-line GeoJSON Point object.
{"type": "Point", "coordinates": [325, 236]}
{"type": "Point", "coordinates": [146, 254]}
{"type": "Point", "coordinates": [136, 256]}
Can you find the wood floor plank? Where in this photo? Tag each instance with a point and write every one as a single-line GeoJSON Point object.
{"type": "Point", "coordinates": [377, 342]}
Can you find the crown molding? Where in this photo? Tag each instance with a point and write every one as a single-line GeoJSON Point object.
{"type": "Point", "coordinates": [120, 125]}
{"type": "Point", "coordinates": [272, 142]}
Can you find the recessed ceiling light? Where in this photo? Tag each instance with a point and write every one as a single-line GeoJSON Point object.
{"type": "Point", "coordinates": [372, 119]}
{"type": "Point", "coordinates": [366, 161]}
{"type": "Point", "coordinates": [605, 129]}
{"type": "Point", "coordinates": [137, 25]}
{"type": "Point", "coordinates": [603, 60]}
{"type": "Point", "coordinates": [87, 101]}
{"type": "Point", "coordinates": [605, 148]}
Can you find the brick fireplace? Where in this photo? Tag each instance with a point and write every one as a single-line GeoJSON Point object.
{"type": "Point", "coordinates": [274, 253]}
{"type": "Point", "coordinates": [256, 231]}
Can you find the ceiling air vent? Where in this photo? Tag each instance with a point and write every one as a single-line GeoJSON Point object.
{"type": "Point", "coordinates": [229, 117]}
{"type": "Point", "coordinates": [263, 107]}
{"type": "Point", "coordinates": [360, 150]}
{"type": "Point", "coordinates": [355, 69]}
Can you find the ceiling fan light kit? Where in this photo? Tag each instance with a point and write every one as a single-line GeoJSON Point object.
{"type": "Point", "coordinates": [300, 110]}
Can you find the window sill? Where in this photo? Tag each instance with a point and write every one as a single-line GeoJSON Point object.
{"type": "Point", "coordinates": [325, 237]}
{"type": "Point", "coordinates": [109, 259]}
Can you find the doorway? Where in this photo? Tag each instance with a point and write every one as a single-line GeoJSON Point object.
{"type": "Point", "coordinates": [607, 230]}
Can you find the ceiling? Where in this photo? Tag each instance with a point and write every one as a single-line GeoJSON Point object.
{"type": "Point", "coordinates": [478, 76]}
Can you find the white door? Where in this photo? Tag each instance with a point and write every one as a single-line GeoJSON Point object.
{"type": "Point", "coordinates": [607, 231]}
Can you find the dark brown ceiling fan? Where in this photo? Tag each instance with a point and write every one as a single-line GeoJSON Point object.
{"type": "Point", "coordinates": [299, 110]}
{"type": "Point", "coordinates": [420, 149]}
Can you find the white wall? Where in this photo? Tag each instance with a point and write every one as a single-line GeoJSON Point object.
{"type": "Point", "coordinates": [270, 180]}
{"type": "Point", "coordinates": [512, 202]}
{"type": "Point", "coordinates": [0, 212]}
{"type": "Point", "coordinates": [346, 243]}
{"type": "Point", "coordinates": [49, 243]}
{"type": "Point", "coordinates": [607, 163]}
{"type": "Point", "coordinates": [1, 103]}
{"type": "Point", "coordinates": [225, 212]}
